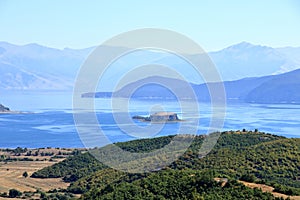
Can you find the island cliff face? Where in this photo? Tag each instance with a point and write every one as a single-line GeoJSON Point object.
{"type": "Point", "coordinates": [4, 109]}
{"type": "Point", "coordinates": [159, 117]}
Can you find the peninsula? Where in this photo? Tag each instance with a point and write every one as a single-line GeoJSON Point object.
{"type": "Point", "coordinates": [4, 109]}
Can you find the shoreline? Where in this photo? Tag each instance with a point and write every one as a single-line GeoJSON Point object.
{"type": "Point", "coordinates": [14, 112]}
{"type": "Point", "coordinates": [28, 146]}
{"type": "Point", "coordinates": [83, 148]}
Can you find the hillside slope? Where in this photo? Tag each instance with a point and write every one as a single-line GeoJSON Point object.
{"type": "Point", "coordinates": [248, 156]}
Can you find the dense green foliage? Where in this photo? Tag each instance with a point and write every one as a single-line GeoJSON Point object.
{"type": "Point", "coordinates": [249, 156]}
{"type": "Point", "coordinates": [173, 184]}
{"type": "Point", "coordinates": [271, 161]}
{"type": "Point", "coordinates": [71, 169]}
{"type": "Point", "coordinates": [145, 145]}
{"type": "Point", "coordinates": [83, 164]}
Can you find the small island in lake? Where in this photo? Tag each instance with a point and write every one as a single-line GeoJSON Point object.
{"type": "Point", "coordinates": [159, 117]}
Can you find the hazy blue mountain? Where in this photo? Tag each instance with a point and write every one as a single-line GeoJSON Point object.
{"type": "Point", "coordinates": [34, 66]}
{"type": "Point", "coordinates": [247, 60]}
{"type": "Point", "coordinates": [281, 88]}
{"type": "Point", "coordinates": [292, 54]}
{"type": "Point", "coordinates": [37, 67]}
{"type": "Point", "coordinates": [147, 88]}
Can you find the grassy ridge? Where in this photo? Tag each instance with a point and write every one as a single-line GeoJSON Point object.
{"type": "Point", "coordinates": [72, 168]}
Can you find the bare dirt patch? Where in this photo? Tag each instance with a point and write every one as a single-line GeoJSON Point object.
{"type": "Point", "coordinates": [266, 188]}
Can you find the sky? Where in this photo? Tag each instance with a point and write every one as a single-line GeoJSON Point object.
{"type": "Point", "coordinates": [212, 24]}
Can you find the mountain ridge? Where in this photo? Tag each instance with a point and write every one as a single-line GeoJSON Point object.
{"type": "Point", "coordinates": [281, 88]}
{"type": "Point", "coordinates": [33, 66]}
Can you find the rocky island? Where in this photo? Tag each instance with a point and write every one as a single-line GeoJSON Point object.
{"type": "Point", "coordinates": [159, 117]}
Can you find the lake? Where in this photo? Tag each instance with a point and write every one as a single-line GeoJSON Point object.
{"type": "Point", "coordinates": [49, 119]}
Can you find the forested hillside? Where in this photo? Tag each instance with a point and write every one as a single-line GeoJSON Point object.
{"type": "Point", "coordinates": [249, 156]}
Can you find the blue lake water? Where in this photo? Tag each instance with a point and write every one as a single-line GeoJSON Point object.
{"type": "Point", "coordinates": [49, 121]}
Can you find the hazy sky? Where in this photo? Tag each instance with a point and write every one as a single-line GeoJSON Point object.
{"type": "Point", "coordinates": [213, 24]}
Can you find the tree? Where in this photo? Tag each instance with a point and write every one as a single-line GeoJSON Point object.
{"type": "Point", "coordinates": [13, 193]}
{"type": "Point", "coordinates": [25, 174]}
{"type": "Point", "coordinates": [43, 195]}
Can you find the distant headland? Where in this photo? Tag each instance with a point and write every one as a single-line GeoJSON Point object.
{"type": "Point", "coordinates": [6, 110]}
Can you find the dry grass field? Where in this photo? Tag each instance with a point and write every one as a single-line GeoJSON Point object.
{"type": "Point", "coordinates": [11, 172]}
{"type": "Point", "coordinates": [11, 176]}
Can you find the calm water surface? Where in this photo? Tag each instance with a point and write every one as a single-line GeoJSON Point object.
{"type": "Point", "coordinates": [49, 121]}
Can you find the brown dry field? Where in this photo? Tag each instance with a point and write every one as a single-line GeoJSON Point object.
{"type": "Point", "coordinates": [11, 177]}
{"type": "Point", "coordinates": [11, 173]}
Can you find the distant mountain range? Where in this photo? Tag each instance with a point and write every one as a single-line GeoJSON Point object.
{"type": "Point", "coordinates": [281, 88]}
{"type": "Point", "coordinates": [35, 67]}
